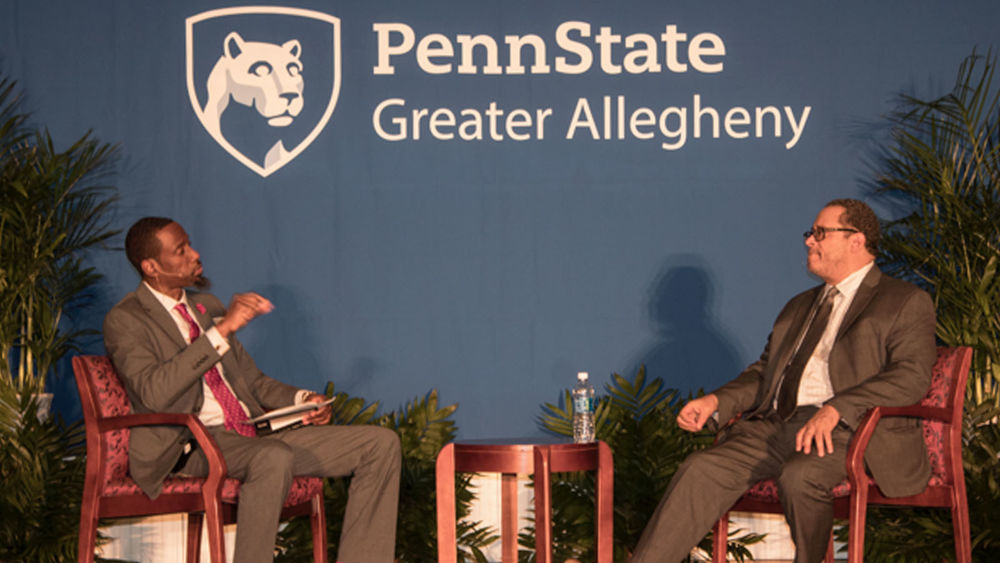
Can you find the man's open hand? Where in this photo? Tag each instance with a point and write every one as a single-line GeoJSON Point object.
{"type": "Point", "coordinates": [818, 429]}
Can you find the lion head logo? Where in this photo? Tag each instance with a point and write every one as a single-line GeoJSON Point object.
{"type": "Point", "coordinates": [253, 93]}
{"type": "Point", "coordinates": [264, 76]}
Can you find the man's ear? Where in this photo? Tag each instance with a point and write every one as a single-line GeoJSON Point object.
{"type": "Point", "coordinates": [149, 268]}
{"type": "Point", "coordinates": [860, 242]}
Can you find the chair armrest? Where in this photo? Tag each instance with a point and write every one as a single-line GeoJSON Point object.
{"type": "Point", "coordinates": [918, 411]}
{"type": "Point", "coordinates": [856, 473]}
{"type": "Point", "coordinates": [217, 469]}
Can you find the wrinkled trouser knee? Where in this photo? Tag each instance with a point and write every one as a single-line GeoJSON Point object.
{"type": "Point", "coordinates": [804, 489]}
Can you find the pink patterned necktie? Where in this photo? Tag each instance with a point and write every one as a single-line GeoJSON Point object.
{"type": "Point", "coordinates": [235, 416]}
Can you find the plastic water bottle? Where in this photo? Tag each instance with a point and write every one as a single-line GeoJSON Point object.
{"type": "Point", "coordinates": [583, 409]}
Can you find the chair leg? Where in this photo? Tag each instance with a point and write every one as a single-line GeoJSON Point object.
{"type": "Point", "coordinates": [960, 523]}
{"type": "Point", "coordinates": [318, 520]}
{"type": "Point", "coordinates": [829, 549]}
{"type": "Point", "coordinates": [856, 525]}
{"type": "Point", "coordinates": [216, 536]}
{"type": "Point", "coordinates": [88, 530]}
{"type": "Point", "coordinates": [720, 539]}
{"type": "Point", "coordinates": [194, 537]}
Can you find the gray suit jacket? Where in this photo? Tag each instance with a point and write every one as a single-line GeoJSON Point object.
{"type": "Point", "coordinates": [882, 356]}
{"type": "Point", "coordinates": [163, 374]}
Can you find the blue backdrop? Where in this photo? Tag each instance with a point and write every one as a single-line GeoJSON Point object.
{"type": "Point", "coordinates": [487, 197]}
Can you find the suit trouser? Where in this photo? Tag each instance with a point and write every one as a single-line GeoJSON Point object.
{"type": "Point", "coordinates": [709, 482]}
{"type": "Point", "coordinates": [266, 465]}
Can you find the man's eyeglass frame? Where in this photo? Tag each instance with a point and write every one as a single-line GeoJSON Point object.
{"type": "Point", "coordinates": [819, 233]}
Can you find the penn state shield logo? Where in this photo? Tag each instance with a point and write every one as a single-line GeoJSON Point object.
{"type": "Point", "coordinates": [263, 80]}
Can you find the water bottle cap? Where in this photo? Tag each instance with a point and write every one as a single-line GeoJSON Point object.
{"type": "Point", "coordinates": [582, 376]}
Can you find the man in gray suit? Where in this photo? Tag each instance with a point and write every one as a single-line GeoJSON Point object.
{"type": "Point", "coordinates": [859, 340]}
{"type": "Point", "coordinates": [176, 350]}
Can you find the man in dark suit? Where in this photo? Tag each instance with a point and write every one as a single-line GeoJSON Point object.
{"type": "Point", "coordinates": [176, 350]}
{"type": "Point", "coordinates": [859, 340]}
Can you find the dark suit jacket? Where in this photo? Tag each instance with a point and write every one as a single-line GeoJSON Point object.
{"type": "Point", "coordinates": [163, 374]}
{"type": "Point", "coordinates": [882, 356]}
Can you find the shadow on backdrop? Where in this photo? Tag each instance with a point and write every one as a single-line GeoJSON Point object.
{"type": "Point", "coordinates": [690, 351]}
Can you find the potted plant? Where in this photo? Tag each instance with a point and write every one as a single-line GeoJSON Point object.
{"type": "Point", "coordinates": [42, 464]}
{"type": "Point", "coordinates": [52, 210]}
{"type": "Point", "coordinates": [941, 167]}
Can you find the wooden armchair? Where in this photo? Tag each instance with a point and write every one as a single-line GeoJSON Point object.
{"type": "Point", "coordinates": [941, 411]}
{"type": "Point", "coordinates": [110, 492]}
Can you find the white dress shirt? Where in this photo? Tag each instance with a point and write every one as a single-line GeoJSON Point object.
{"type": "Point", "coordinates": [815, 387]}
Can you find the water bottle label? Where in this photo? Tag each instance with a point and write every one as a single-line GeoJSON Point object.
{"type": "Point", "coordinates": [583, 404]}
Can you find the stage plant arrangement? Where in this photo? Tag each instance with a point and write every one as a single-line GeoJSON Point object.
{"type": "Point", "coordinates": [423, 428]}
{"type": "Point", "coordinates": [637, 418]}
{"type": "Point", "coordinates": [53, 209]}
{"type": "Point", "coordinates": [940, 171]}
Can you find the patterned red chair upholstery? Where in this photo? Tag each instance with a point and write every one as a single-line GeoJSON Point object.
{"type": "Point", "coordinates": [109, 491]}
{"type": "Point", "coordinates": [941, 411]}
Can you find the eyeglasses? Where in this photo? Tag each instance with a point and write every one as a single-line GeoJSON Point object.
{"type": "Point", "coordinates": [819, 233]}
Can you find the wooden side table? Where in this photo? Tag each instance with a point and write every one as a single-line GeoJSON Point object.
{"type": "Point", "coordinates": [509, 458]}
